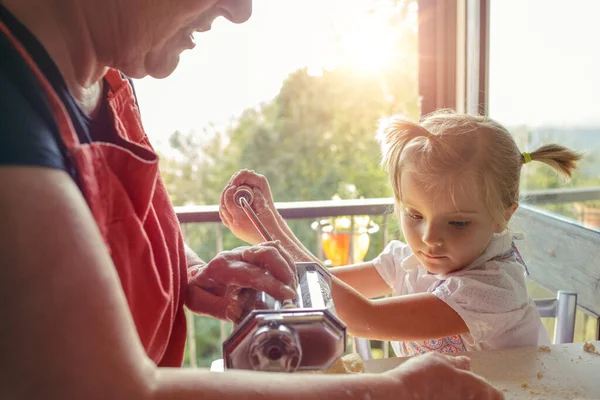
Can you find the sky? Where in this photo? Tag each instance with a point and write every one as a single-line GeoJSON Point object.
{"type": "Point", "coordinates": [545, 62]}
{"type": "Point", "coordinates": [544, 66]}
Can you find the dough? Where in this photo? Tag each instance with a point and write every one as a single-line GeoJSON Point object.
{"type": "Point", "coordinates": [590, 348]}
{"type": "Point", "coordinates": [348, 364]}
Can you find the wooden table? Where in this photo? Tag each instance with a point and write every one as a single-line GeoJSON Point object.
{"type": "Point", "coordinates": [566, 372]}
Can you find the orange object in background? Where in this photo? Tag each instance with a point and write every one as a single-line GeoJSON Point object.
{"type": "Point", "coordinates": [336, 247]}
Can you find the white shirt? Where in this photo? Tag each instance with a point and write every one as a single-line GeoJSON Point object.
{"type": "Point", "coordinates": [489, 294]}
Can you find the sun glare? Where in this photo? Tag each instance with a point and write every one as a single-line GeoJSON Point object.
{"type": "Point", "coordinates": [367, 50]}
{"type": "Point", "coordinates": [365, 39]}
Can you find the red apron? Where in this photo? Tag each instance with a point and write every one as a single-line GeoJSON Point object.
{"type": "Point", "coordinates": [122, 186]}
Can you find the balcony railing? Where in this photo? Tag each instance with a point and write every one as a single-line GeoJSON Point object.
{"type": "Point", "coordinates": [380, 206]}
{"type": "Point", "coordinates": [561, 254]}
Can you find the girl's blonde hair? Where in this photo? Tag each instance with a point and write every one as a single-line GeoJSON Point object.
{"type": "Point", "coordinates": [451, 151]}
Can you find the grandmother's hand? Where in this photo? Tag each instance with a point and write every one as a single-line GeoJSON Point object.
{"type": "Point", "coordinates": [435, 376]}
{"type": "Point", "coordinates": [233, 216]}
{"type": "Point", "coordinates": [220, 288]}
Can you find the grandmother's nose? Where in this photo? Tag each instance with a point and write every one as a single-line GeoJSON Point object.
{"type": "Point", "coordinates": [237, 11]}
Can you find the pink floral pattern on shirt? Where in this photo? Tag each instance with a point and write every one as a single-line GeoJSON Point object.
{"type": "Point", "coordinates": [509, 255]}
{"type": "Point", "coordinates": [447, 345]}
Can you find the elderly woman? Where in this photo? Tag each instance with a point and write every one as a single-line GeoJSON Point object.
{"type": "Point", "coordinates": [94, 270]}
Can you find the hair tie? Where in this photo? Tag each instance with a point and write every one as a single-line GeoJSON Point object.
{"type": "Point", "coordinates": [526, 157]}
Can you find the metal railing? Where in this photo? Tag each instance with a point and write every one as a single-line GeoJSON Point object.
{"type": "Point", "coordinates": [378, 206]}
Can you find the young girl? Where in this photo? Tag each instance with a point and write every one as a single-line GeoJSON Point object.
{"type": "Point", "coordinates": [458, 283]}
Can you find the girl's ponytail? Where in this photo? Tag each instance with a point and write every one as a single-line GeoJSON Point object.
{"type": "Point", "coordinates": [561, 159]}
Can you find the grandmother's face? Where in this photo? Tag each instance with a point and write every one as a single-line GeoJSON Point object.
{"type": "Point", "coordinates": [158, 31]}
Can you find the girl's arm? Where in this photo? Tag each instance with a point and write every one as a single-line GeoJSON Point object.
{"type": "Point", "coordinates": [364, 278]}
{"type": "Point", "coordinates": [410, 317]}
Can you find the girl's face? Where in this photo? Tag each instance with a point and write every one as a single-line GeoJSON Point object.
{"type": "Point", "coordinates": [445, 233]}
